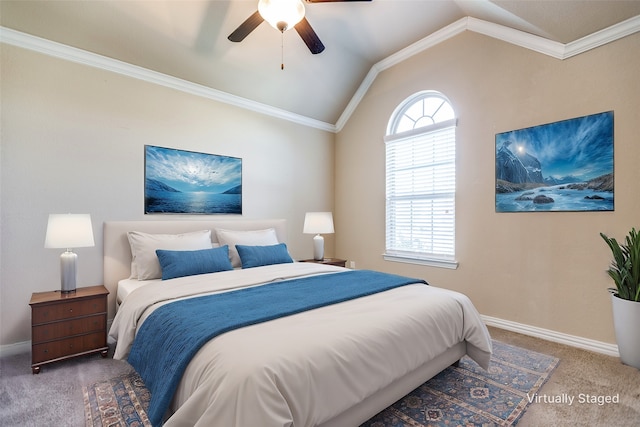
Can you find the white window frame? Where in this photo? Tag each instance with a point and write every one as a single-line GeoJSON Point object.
{"type": "Point", "coordinates": [436, 128]}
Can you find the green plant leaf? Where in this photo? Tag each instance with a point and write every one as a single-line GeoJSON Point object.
{"type": "Point", "coordinates": [625, 266]}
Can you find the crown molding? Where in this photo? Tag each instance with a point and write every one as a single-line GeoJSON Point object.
{"type": "Point", "coordinates": [602, 37]}
{"type": "Point", "coordinates": [428, 42]}
{"type": "Point", "coordinates": [68, 53]}
{"type": "Point", "coordinates": [356, 98]}
{"type": "Point", "coordinates": [519, 38]}
{"type": "Point", "coordinates": [516, 37]}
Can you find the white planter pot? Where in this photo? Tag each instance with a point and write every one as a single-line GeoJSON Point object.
{"type": "Point", "coordinates": [626, 320]}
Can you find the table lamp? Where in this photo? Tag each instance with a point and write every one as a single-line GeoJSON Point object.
{"type": "Point", "coordinates": [69, 231]}
{"type": "Point", "coordinates": [318, 223]}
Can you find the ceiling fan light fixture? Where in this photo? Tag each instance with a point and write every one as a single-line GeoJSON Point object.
{"type": "Point", "coordinates": [281, 14]}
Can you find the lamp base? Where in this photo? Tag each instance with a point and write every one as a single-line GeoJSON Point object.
{"type": "Point", "coordinates": [318, 247]}
{"type": "Point", "coordinates": [68, 271]}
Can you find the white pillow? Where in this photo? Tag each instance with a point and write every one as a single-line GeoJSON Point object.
{"type": "Point", "coordinates": [145, 264]}
{"type": "Point", "coordinates": [232, 238]}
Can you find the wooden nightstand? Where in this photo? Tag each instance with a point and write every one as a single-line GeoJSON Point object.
{"type": "Point", "coordinates": [65, 325]}
{"type": "Point", "coordinates": [328, 261]}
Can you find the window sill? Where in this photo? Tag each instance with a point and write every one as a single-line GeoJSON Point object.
{"type": "Point", "coordinates": [431, 262]}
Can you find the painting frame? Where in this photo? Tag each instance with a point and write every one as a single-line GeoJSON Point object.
{"type": "Point", "coordinates": [563, 166]}
{"type": "Point", "coordinates": [178, 181]}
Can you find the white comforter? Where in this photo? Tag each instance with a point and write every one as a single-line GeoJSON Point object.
{"type": "Point", "coordinates": [305, 369]}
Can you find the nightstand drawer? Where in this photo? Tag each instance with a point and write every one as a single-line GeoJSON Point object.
{"type": "Point", "coordinates": [61, 348]}
{"type": "Point", "coordinates": [51, 312]}
{"type": "Point", "coordinates": [52, 331]}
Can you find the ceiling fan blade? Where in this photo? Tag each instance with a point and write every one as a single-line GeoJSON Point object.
{"type": "Point", "coordinates": [309, 36]}
{"type": "Point", "coordinates": [246, 27]}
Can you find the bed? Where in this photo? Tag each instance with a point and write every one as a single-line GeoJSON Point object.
{"type": "Point", "coordinates": [336, 364]}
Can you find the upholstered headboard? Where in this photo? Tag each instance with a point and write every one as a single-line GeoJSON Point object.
{"type": "Point", "coordinates": [117, 252]}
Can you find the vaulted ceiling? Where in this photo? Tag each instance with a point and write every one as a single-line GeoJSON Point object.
{"type": "Point", "coordinates": [187, 39]}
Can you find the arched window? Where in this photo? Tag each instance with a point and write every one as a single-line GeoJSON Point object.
{"type": "Point", "coordinates": [421, 181]}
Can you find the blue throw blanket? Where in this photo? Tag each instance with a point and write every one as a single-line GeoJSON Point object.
{"type": "Point", "coordinates": [174, 333]}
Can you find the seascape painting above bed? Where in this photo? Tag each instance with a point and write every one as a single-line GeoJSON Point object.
{"type": "Point", "coordinates": [187, 182]}
{"type": "Point", "coordinates": [225, 328]}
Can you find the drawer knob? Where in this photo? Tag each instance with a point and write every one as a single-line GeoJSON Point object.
{"type": "Point", "coordinates": [46, 351]}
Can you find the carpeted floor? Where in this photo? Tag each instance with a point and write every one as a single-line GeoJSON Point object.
{"type": "Point", "coordinates": [463, 395]}
{"type": "Point", "coordinates": [579, 373]}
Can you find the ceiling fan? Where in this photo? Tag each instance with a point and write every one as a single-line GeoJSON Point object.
{"type": "Point", "coordinates": [282, 15]}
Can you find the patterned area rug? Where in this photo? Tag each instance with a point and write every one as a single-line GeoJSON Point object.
{"type": "Point", "coordinates": [465, 395]}
{"type": "Point", "coordinates": [118, 402]}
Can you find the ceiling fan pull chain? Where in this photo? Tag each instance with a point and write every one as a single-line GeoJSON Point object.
{"type": "Point", "coordinates": [282, 50]}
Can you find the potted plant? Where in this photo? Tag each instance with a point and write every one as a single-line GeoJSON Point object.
{"type": "Point", "coordinates": [625, 297]}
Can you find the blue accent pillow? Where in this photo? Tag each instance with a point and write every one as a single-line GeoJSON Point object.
{"type": "Point", "coordinates": [189, 263]}
{"type": "Point", "coordinates": [257, 256]}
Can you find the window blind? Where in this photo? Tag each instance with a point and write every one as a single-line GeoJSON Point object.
{"type": "Point", "coordinates": [420, 195]}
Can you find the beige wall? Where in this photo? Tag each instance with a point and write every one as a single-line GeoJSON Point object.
{"type": "Point", "coordinates": [545, 270]}
{"type": "Point", "coordinates": [72, 141]}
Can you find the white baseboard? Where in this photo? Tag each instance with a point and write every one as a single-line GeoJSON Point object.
{"type": "Point", "coordinates": [549, 335]}
{"type": "Point", "coordinates": [17, 348]}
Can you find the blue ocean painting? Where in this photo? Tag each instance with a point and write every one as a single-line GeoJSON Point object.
{"type": "Point", "coordinates": [187, 182]}
{"type": "Point", "coordinates": [561, 166]}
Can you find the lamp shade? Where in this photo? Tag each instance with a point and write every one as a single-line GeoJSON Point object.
{"type": "Point", "coordinates": [281, 14]}
{"type": "Point", "coordinates": [318, 223]}
{"type": "Point", "coordinates": [69, 231]}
